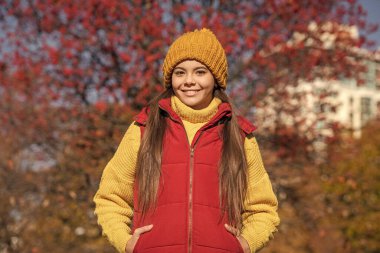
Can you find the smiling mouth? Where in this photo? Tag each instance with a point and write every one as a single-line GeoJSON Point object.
{"type": "Point", "coordinates": [190, 92]}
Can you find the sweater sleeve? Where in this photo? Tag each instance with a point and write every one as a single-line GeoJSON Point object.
{"type": "Point", "coordinates": [260, 217]}
{"type": "Point", "coordinates": [114, 198]}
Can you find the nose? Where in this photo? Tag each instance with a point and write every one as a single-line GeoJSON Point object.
{"type": "Point", "coordinates": [189, 79]}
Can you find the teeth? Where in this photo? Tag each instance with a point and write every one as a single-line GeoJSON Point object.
{"type": "Point", "coordinates": [190, 92]}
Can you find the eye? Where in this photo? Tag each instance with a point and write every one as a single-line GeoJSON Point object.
{"type": "Point", "coordinates": [201, 72]}
{"type": "Point", "coordinates": [179, 72]}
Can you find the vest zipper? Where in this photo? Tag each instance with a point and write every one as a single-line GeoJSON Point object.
{"type": "Point", "coordinates": [190, 211]}
{"type": "Point", "coordinates": [191, 169]}
{"type": "Point", "coordinates": [191, 175]}
{"type": "Point", "coordinates": [191, 172]}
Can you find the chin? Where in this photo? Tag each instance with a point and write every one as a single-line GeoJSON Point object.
{"type": "Point", "coordinates": [193, 102]}
{"type": "Point", "coordinates": [190, 104]}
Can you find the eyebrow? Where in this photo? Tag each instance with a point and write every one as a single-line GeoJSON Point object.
{"type": "Point", "coordinates": [201, 67]}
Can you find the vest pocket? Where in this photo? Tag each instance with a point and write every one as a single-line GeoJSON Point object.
{"type": "Point", "coordinates": [135, 249]}
{"type": "Point", "coordinates": [169, 228]}
{"type": "Point", "coordinates": [238, 244]}
{"type": "Point", "coordinates": [209, 230]}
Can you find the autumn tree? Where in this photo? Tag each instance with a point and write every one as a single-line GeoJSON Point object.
{"type": "Point", "coordinates": [353, 187]}
{"type": "Point", "coordinates": [110, 53]}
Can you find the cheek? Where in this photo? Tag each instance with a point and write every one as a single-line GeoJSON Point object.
{"type": "Point", "coordinates": [210, 82]}
{"type": "Point", "coordinates": [210, 92]}
{"type": "Point", "coordinates": [210, 85]}
{"type": "Point", "coordinates": [175, 83]}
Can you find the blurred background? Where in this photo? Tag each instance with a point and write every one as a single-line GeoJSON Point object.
{"type": "Point", "coordinates": [74, 73]}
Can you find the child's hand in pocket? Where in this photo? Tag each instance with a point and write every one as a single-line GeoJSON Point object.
{"type": "Point", "coordinates": [242, 241]}
{"type": "Point", "coordinates": [133, 240]}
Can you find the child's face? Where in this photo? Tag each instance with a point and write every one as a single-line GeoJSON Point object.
{"type": "Point", "coordinates": [193, 84]}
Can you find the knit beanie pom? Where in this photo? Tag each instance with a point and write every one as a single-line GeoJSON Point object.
{"type": "Point", "coordinates": [200, 45]}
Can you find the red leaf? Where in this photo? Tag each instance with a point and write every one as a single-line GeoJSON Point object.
{"type": "Point", "coordinates": [101, 106]}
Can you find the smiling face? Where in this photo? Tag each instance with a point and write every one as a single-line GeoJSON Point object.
{"type": "Point", "coordinates": [193, 84]}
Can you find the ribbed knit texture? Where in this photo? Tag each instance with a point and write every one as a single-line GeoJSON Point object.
{"type": "Point", "coordinates": [114, 199]}
{"type": "Point", "coordinates": [192, 119]}
{"type": "Point", "coordinates": [201, 45]}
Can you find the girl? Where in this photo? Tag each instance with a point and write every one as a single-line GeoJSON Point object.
{"type": "Point", "coordinates": [188, 175]}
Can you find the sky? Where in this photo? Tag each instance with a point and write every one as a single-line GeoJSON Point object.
{"type": "Point", "coordinates": [373, 9]}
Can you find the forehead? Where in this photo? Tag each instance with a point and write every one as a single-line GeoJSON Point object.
{"type": "Point", "coordinates": [190, 64]}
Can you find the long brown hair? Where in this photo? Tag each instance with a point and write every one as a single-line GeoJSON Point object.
{"type": "Point", "coordinates": [232, 166]}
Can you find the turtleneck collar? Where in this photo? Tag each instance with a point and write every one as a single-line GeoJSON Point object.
{"type": "Point", "coordinates": [195, 116]}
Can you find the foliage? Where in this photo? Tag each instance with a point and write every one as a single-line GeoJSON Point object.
{"type": "Point", "coordinates": [353, 189]}
{"type": "Point", "coordinates": [72, 74]}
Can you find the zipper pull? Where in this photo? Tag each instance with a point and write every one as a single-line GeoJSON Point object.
{"type": "Point", "coordinates": [192, 152]}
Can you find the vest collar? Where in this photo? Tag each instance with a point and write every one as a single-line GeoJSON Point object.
{"type": "Point", "coordinates": [224, 111]}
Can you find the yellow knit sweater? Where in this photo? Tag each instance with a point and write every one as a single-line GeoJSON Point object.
{"type": "Point", "coordinates": [114, 198]}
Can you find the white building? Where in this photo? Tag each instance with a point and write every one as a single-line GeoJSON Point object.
{"type": "Point", "coordinates": [311, 108]}
{"type": "Point", "coordinates": [359, 103]}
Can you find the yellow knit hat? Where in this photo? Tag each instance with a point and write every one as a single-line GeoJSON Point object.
{"type": "Point", "coordinates": [201, 45]}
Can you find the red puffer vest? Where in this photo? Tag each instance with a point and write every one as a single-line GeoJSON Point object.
{"type": "Point", "coordinates": [187, 215]}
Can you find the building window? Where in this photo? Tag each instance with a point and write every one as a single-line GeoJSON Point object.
{"type": "Point", "coordinates": [351, 119]}
{"type": "Point", "coordinates": [351, 101]}
{"type": "Point", "coordinates": [365, 109]}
